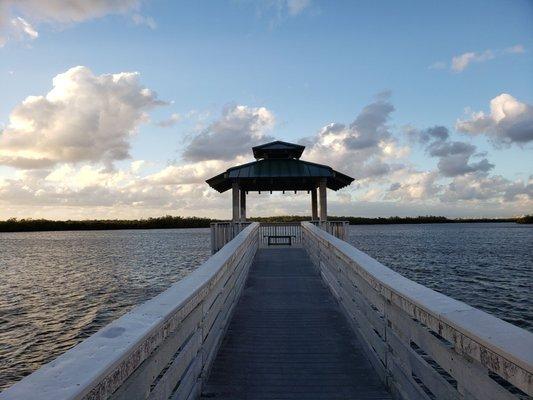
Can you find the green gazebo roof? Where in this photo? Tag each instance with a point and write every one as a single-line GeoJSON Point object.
{"type": "Point", "coordinates": [279, 168]}
{"type": "Point", "coordinates": [278, 149]}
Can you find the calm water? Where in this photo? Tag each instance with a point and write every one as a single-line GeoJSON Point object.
{"type": "Point", "coordinates": [57, 288]}
{"type": "Point", "coordinates": [489, 266]}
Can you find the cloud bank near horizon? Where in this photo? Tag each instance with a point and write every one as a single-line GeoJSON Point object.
{"type": "Point", "coordinates": [68, 153]}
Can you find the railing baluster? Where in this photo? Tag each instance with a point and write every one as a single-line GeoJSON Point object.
{"type": "Point", "coordinates": [276, 233]}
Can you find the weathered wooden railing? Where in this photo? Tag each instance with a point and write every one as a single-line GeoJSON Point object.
{"type": "Point", "coordinates": [338, 229]}
{"type": "Point", "coordinates": [277, 233]}
{"type": "Point", "coordinates": [423, 344]}
{"type": "Point", "coordinates": [162, 349]}
{"type": "Point", "coordinates": [274, 232]}
{"type": "Point", "coordinates": [224, 232]}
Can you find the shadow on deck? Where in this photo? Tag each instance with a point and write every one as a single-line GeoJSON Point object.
{"type": "Point", "coordinates": [289, 340]}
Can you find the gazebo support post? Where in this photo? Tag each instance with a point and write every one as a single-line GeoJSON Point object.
{"type": "Point", "coordinates": [235, 200]}
{"type": "Point", "coordinates": [323, 200]}
{"type": "Point", "coordinates": [314, 205]}
{"type": "Point", "coordinates": [278, 168]}
{"type": "Point", "coordinates": [243, 205]}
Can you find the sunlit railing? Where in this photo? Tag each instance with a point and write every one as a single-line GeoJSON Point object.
{"type": "Point", "coordinates": [423, 344]}
{"type": "Point", "coordinates": [224, 232]}
{"type": "Point", "coordinates": [161, 349]}
{"type": "Point", "coordinates": [339, 229]}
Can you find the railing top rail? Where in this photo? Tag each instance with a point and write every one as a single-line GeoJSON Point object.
{"type": "Point", "coordinates": [317, 221]}
{"type": "Point", "coordinates": [231, 223]}
{"type": "Point", "coordinates": [76, 372]}
{"type": "Point", "coordinates": [493, 335]}
{"type": "Point", "coordinates": [292, 223]}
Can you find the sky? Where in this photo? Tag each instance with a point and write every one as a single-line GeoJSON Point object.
{"type": "Point", "coordinates": [123, 108]}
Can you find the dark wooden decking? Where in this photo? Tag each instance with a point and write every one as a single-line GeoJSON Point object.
{"type": "Point", "coordinates": [289, 340]}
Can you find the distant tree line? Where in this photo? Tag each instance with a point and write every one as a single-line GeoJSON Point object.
{"type": "Point", "coordinates": [425, 219]}
{"type": "Point", "coordinates": [167, 222]}
{"type": "Point", "coordinates": [526, 219]}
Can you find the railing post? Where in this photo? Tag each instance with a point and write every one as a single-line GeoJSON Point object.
{"type": "Point", "coordinates": [213, 237]}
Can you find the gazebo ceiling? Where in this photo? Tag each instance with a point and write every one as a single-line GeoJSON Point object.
{"type": "Point", "coordinates": [279, 169]}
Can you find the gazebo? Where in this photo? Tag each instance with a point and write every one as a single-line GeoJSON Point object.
{"type": "Point", "coordinates": [278, 168]}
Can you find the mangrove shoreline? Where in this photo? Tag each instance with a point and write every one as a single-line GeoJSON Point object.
{"type": "Point", "coordinates": [171, 222]}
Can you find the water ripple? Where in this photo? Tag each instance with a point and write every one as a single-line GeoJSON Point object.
{"type": "Point", "coordinates": [489, 266]}
{"type": "Point", "coordinates": [57, 288]}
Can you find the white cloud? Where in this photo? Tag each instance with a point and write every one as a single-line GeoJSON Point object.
{"type": "Point", "coordinates": [367, 148]}
{"type": "Point", "coordinates": [488, 188]}
{"type": "Point", "coordinates": [289, 7]}
{"type": "Point", "coordinates": [391, 150]}
{"type": "Point", "coordinates": [510, 121]}
{"type": "Point", "coordinates": [468, 195]}
{"type": "Point", "coordinates": [22, 26]}
{"type": "Point", "coordinates": [516, 49]}
{"type": "Point", "coordinates": [438, 65]}
{"type": "Point", "coordinates": [458, 181]}
{"type": "Point", "coordinates": [455, 158]}
{"type": "Point", "coordinates": [85, 117]}
{"type": "Point", "coordinates": [69, 11]}
{"type": "Point", "coordinates": [278, 11]}
{"type": "Point", "coordinates": [458, 184]}
{"type": "Point", "coordinates": [18, 17]}
{"type": "Point", "coordinates": [91, 192]}
{"type": "Point", "coordinates": [170, 121]}
{"type": "Point", "coordinates": [462, 61]}
{"type": "Point", "coordinates": [413, 186]}
{"type": "Point", "coordinates": [364, 148]}
{"type": "Point", "coordinates": [194, 173]}
{"type": "Point", "coordinates": [456, 161]}
{"type": "Point", "coordinates": [138, 165]}
{"type": "Point", "coordinates": [296, 7]}
{"type": "Point", "coordinates": [139, 19]}
{"type": "Point", "coordinates": [18, 29]}
{"type": "Point", "coordinates": [234, 133]}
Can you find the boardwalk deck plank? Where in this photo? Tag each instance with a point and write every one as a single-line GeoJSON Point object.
{"type": "Point", "coordinates": [289, 340]}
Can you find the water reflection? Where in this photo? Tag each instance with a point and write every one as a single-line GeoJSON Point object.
{"type": "Point", "coordinates": [57, 288]}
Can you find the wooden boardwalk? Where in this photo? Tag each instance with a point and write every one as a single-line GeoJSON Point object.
{"type": "Point", "coordinates": [289, 340]}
